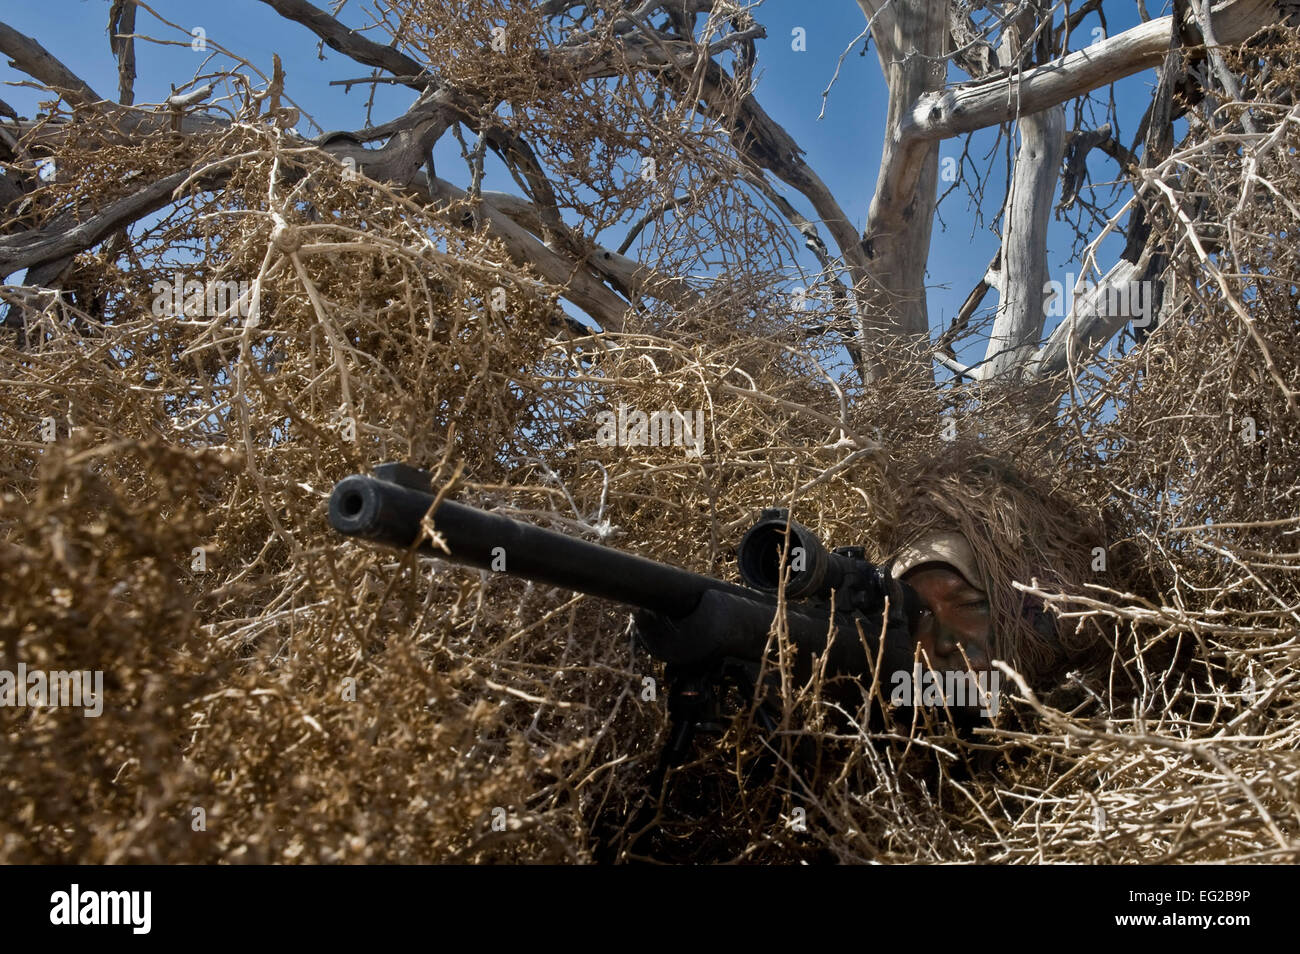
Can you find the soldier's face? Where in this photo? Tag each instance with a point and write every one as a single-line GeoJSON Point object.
{"type": "Point", "coordinates": [954, 629]}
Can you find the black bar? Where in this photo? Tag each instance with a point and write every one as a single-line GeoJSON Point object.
{"type": "Point", "coordinates": [187, 901]}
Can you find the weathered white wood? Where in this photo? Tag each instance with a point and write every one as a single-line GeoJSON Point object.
{"type": "Point", "coordinates": [1086, 328]}
{"type": "Point", "coordinates": [880, 17]}
{"type": "Point", "coordinates": [971, 106]}
{"type": "Point", "coordinates": [897, 237]}
{"type": "Point", "coordinates": [1018, 325]}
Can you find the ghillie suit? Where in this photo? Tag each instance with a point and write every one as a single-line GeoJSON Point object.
{"type": "Point", "coordinates": [1022, 530]}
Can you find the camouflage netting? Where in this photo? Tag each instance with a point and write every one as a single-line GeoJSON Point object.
{"type": "Point", "coordinates": [274, 693]}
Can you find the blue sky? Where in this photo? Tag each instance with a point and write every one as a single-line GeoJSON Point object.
{"type": "Point", "coordinates": [844, 146]}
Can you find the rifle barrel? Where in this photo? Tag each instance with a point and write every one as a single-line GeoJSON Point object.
{"type": "Point", "coordinates": [389, 513]}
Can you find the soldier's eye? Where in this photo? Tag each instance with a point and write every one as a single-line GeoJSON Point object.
{"type": "Point", "coordinates": [977, 604]}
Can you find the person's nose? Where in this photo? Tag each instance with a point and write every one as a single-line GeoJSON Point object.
{"type": "Point", "coordinates": [946, 645]}
{"type": "Point", "coordinates": [955, 652]}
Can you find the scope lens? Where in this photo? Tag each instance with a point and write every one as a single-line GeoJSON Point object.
{"type": "Point", "coordinates": [760, 556]}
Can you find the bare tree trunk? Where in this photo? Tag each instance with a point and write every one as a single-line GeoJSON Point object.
{"type": "Point", "coordinates": [1020, 317]}
{"type": "Point", "coordinates": [897, 237]}
{"type": "Point", "coordinates": [1018, 326]}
